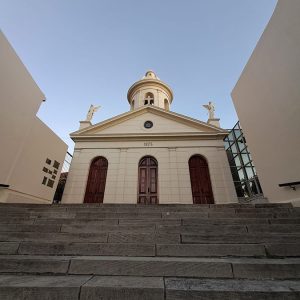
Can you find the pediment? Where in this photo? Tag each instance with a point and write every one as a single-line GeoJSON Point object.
{"type": "Point", "coordinates": [164, 122]}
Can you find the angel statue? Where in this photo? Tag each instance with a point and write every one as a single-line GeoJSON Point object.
{"type": "Point", "coordinates": [211, 109]}
{"type": "Point", "coordinates": [91, 112]}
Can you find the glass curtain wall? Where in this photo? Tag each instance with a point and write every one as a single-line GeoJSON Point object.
{"type": "Point", "coordinates": [242, 169]}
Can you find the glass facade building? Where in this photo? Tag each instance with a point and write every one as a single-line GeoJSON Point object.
{"type": "Point", "coordinates": [242, 169]}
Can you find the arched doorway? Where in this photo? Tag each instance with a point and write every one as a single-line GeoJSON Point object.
{"type": "Point", "coordinates": [96, 181]}
{"type": "Point", "coordinates": [148, 179]}
{"type": "Point", "coordinates": [200, 180]}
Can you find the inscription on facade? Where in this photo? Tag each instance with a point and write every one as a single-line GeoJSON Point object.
{"type": "Point", "coordinates": [148, 144]}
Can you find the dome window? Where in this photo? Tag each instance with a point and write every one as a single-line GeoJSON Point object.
{"type": "Point", "coordinates": [149, 99]}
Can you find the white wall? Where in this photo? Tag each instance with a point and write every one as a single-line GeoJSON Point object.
{"type": "Point", "coordinates": [173, 171]}
{"type": "Point", "coordinates": [267, 100]}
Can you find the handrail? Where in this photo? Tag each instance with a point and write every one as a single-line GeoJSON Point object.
{"type": "Point", "coordinates": [290, 184]}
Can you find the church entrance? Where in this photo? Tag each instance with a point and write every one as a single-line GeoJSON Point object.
{"type": "Point", "coordinates": [96, 181]}
{"type": "Point", "coordinates": [200, 180]}
{"type": "Point", "coordinates": [147, 185]}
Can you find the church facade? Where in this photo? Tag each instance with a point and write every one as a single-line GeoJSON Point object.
{"type": "Point", "coordinates": [149, 155]}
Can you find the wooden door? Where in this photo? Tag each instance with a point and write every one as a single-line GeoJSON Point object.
{"type": "Point", "coordinates": [200, 180]}
{"type": "Point", "coordinates": [147, 185]}
{"type": "Point", "coordinates": [96, 181]}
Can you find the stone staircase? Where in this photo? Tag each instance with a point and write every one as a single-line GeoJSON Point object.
{"type": "Point", "coordinates": [156, 252]}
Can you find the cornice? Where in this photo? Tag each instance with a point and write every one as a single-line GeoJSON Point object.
{"type": "Point", "coordinates": [167, 114]}
{"type": "Point", "coordinates": [147, 137]}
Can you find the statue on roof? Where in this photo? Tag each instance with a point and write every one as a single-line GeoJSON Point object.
{"type": "Point", "coordinates": [211, 109]}
{"type": "Point", "coordinates": [91, 112]}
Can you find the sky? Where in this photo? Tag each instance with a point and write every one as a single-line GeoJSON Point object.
{"type": "Point", "coordinates": [83, 52]}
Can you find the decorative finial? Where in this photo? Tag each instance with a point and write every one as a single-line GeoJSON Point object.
{"type": "Point", "coordinates": [91, 112]}
{"type": "Point", "coordinates": [211, 109]}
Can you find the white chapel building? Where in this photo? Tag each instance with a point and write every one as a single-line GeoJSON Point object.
{"type": "Point", "coordinates": [149, 155]}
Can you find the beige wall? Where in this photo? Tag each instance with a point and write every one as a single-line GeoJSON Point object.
{"type": "Point", "coordinates": [267, 100]}
{"type": "Point", "coordinates": [20, 99]}
{"type": "Point", "coordinates": [173, 171]}
{"type": "Point", "coordinates": [28, 174]}
{"type": "Point", "coordinates": [25, 141]}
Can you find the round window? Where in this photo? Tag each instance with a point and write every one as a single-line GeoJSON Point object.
{"type": "Point", "coordinates": [148, 124]}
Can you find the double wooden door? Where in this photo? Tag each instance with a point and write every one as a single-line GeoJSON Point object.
{"type": "Point", "coordinates": [96, 181]}
{"type": "Point", "coordinates": [200, 181]}
{"type": "Point", "coordinates": [147, 185]}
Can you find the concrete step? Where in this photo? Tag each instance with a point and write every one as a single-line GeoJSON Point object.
{"type": "Point", "coordinates": [8, 220]}
{"type": "Point", "coordinates": [37, 287]}
{"type": "Point", "coordinates": [152, 227]}
{"type": "Point", "coordinates": [126, 235]}
{"type": "Point", "coordinates": [207, 229]}
{"type": "Point", "coordinates": [123, 287]}
{"type": "Point", "coordinates": [34, 264]}
{"type": "Point", "coordinates": [152, 221]}
{"type": "Point", "coordinates": [233, 229]}
{"type": "Point", "coordinates": [148, 249]}
{"type": "Point", "coordinates": [82, 223]}
{"type": "Point", "coordinates": [210, 250]}
{"type": "Point", "coordinates": [131, 215]}
{"type": "Point", "coordinates": [141, 228]}
{"type": "Point", "coordinates": [218, 289]}
{"type": "Point", "coordinates": [240, 238]}
{"type": "Point", "coordinates": [29, 228]}
{"type": "Point", "coordinates": [55, 237]}
{"type": "Point", "coordinates": [207, 214]}
{"type": "Point", "coordinates": [9, 247]}
{"type": "Point", "coordinates": [285, 221]}
{"type": "Point", "coordinates": [69, 287]}
{"type": "Point", "coordinates": [118, 237]}
{"type": "Point", "coordinates": [225, 221]}
{"type": "Point", "coordinates": [275, 228]}
{"type": "Point", "coordinates": [96, 222]}
{"type": "Point", "coordinates": [149, 252]}
{"type": "Point", "coordinates": [100, 237]}
{"type": "Point", "coordinates": [152, 266]}
{"type": "Point", "coordinates": [94, 248]}
{"type": "Point", "coordinates": [188, 267]}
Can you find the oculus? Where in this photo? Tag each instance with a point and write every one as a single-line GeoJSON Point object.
{"type": "Point", "coordinates": [148, 124]}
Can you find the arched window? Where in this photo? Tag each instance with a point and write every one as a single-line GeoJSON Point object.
{"type": "Point", "coordinates": [148, 181]}
{"type": "Point", "coordinates": [200, 180]}
{"type": "Point", "coordinates": [149, 99]}
{"type": "Point", "coordinates": [95, 187]}
{"type": "Point", "coordinates": [167, 105]}
{"type": "Point", "coordinates": [132, 105]}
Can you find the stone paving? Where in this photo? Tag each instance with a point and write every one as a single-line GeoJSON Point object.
{"type": "Point", "coordinates": [149, 252]}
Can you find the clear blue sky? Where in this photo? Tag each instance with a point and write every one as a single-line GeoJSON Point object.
{"type": "Point", "coordinates": [90, 51]}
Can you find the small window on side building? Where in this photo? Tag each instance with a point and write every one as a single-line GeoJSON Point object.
{"type": "Point", "coordinates": [56, 164]}
{"type": "Point", "coordinates": [44, 180]}
{"type": "Point", "coordinates": [50, 183]}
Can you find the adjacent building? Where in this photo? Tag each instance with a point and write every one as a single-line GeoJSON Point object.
{"type": "Point", "coordinates": [267, 101]}
{"type": "Point", "coordinates": [31, 155]}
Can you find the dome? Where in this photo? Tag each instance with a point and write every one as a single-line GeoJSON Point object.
{"type": "Point", "coordinates": [150, 90]}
